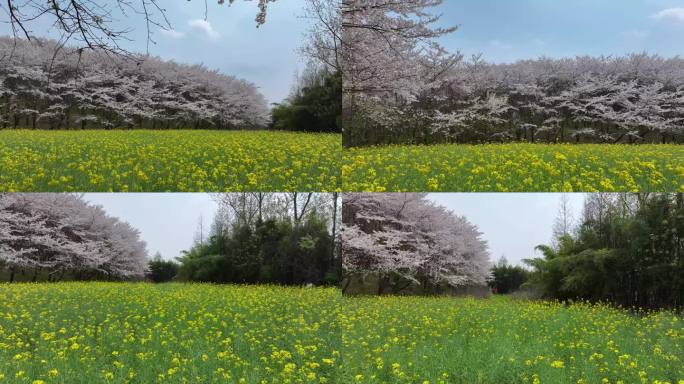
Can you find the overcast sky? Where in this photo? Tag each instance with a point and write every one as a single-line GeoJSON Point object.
{"type": "Point", "coordinates": [228, 40]}
{"type": "Point", "coordinates": [512, 223]}
{"type": "Point", "coordinates": [504, 30]}
{"type": "Point", "coordinates": [167, 221]}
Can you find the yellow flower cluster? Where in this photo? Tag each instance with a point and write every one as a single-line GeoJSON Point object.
{"type": "Point", "coordinates": [502, 340]}
{"type": "Point", "coordinates": [178, 161]}
{"type": "Point", "coordinates": [141, 333]}
{"type": "Point", "coordinates": [515, 168]}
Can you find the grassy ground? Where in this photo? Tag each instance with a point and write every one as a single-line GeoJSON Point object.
{"type": "Point", "coordinates": [141, 333]}
{"type": "Point", "coordinates": [498, 340]}
{"type": "Point", "coordinates": [138, 160]}
{"type": "Point", "coordinates": [137, 333]}
{"type": "Point", "coordinates": [515, 168]}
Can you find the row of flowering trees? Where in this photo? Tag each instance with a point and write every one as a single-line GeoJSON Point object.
{"type": "Point", "coordinates": [633, 99]}
{"type": "Point", "coordinates": [401, 86]}
{"type": "Point", "coordinates": [46, 85]}
{"type": "Point", "coordinates": [62, 236]}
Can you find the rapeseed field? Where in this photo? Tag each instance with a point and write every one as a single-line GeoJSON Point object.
{"type": "Point", "coordinates": [201, 333]}
{"type": "Point", "coordinates": [141, 333]}
{"type": "Point", "coordinates": [500, 340]}
{"type": "Point", "coordinates": [177, 161]}
{"type": "Point", "coordinates": [515, 168]}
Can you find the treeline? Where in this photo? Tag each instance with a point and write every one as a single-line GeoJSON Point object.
{"type": "Point", "coordinates": [46, 85]}
{"type": "Point", "coordinates": [628, 249]}
{"type": "Point", "coordinates": [288, 239]}
{"type": "Point", "coordinates": [634, 99]}
{"type": "Point", "coordinates": [277, 238]}
{"type": "Point", "coordinates": [314, 105]}
{"type": "Point", "coordinates": [402, 87]}
{"type": "Point", "coordinates": [46, 236]}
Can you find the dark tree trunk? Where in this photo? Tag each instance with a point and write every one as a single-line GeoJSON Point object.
{"type": "Point", "coordinates": [345, 285]}
{"type": "Point", "coordinates": [334, 230]}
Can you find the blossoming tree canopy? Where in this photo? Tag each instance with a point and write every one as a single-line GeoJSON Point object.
{"type": "Point", "coordinates": [390, 46]}
{"type": "Point", "coordinates": [43, 86]}
{"type": "Point", "coordinates": [408, 235]}
{"type": "Point", "coordinates": [631, 99]}
{"type": "Point", "coordinates": [63, 234]}
{"type": "Point", "coordinates": [401, 86]}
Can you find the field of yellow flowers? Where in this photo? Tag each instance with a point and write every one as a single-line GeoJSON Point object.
{"type": "Point", "coordinates": [200, 333]}
{"type": "Point", "coordinates": [140, 333]}
{"type": "Point", "coordinates": [150, 161]}
{"type": "Point", "coordinates": [515, 168]}
{"type": "Point", "coordinates": [501, 340]}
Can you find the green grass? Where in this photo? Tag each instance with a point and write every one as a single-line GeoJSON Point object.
{"type": "Point", "coordinates": [177, 161]}
{"type": "Point", "coordinates": [499, 340]}
{"type": "Point", "coordinates": [138, 333]}
{"type": "Point", "coordinates": [200, 333]}
{"type": "Point", "coordinates": [515, 168]}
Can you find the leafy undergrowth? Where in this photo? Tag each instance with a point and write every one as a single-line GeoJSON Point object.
{"type": "Point", "coordinates": [177, 161]}
{"type": "Point", "coordinates": [515, 168]}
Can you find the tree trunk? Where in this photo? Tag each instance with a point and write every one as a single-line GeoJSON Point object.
{"type": "Point", "coordinates": [345, 285]}
{"type": "Point", "coordinates": [334, 230]}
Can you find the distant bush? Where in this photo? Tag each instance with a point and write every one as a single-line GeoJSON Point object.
{"type": "Point", "coordinates": [507, 278]}
{"type": "Point", "coordinates": [160, 270]}
{"type": "Point", "coordinates": [314, 106]}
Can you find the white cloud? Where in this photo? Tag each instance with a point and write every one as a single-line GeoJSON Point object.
{"type": "Point", "coordinates": [500, 44]}
{"type": "Point", "coordinates": [539, 42]}
{"type": "Point", "coordinates": [204, 26]}
{"type": "Point", "coordinates": [670, 14]}
{"type": "Point", "coordinates": [638, 34]}
{"type": "Point", "coordinates": [172, 33]}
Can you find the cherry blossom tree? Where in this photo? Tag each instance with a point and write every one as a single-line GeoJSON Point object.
{"type": "Point", "coordinates": [390, 46]}
{"type": "Point", "coordinates": [45, 88]}
{"type": "Point", "coordinates": [389, 53]}
{"type": "Point", "coordinates": [407, 235]}
{"type": "Point", "coordinates": [631, 99]}
{"type": "Point", "coordinates": [62, 234]}
{"type": "Point", "coordinates": [604, 99]}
